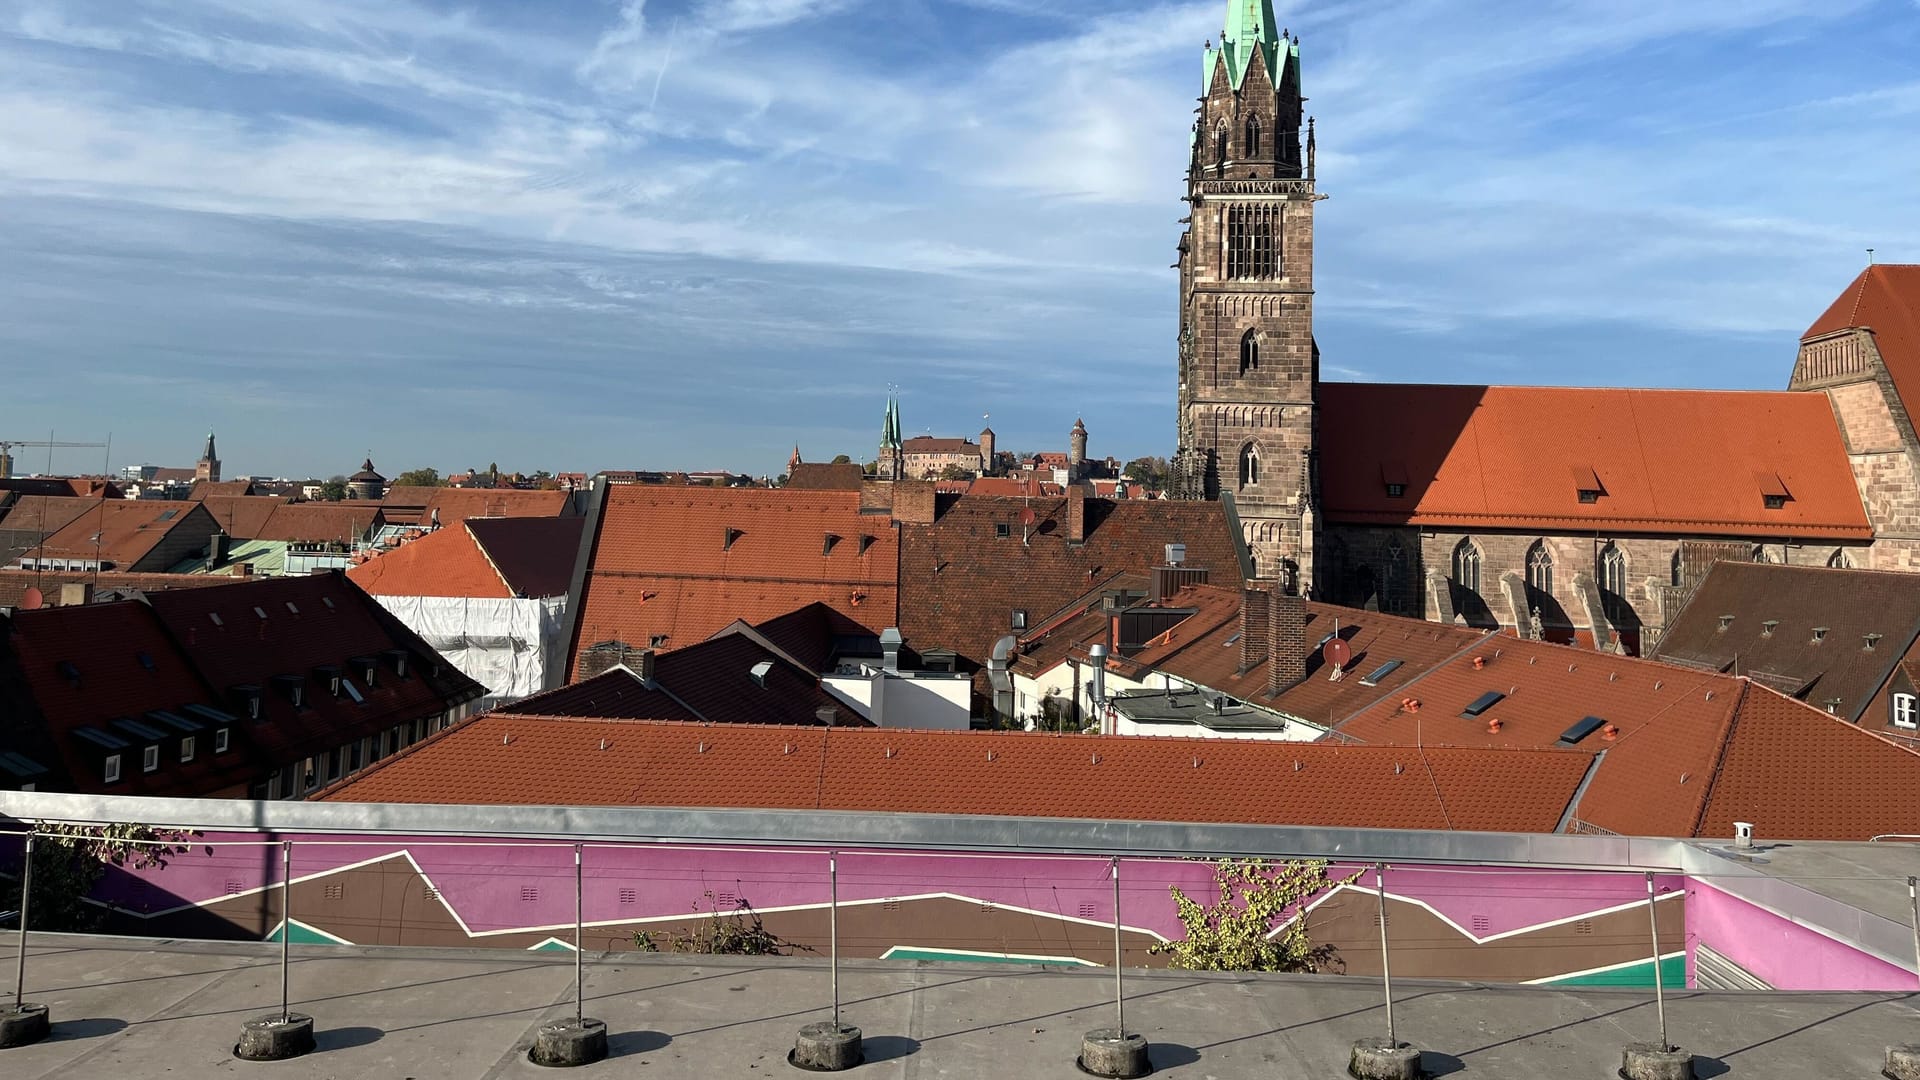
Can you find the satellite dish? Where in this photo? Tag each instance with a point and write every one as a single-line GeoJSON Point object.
{"type": "Point", "coordinates": [33, 600]}
{"type": "Point", "coordinates": [1028, 517]}
{"type": "Point", "coordinates": [1338, 653]}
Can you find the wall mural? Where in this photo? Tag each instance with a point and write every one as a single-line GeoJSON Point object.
{"type": "Point", "coordinates": [1485, 924]}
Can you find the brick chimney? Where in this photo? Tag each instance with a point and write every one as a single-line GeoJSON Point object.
{"type": "Point", "coordinates": [1287, 638]}
{"type": "Point", "coordinates": [1254, 627]}
{"type": "Point", "coordinates": [913, 502]}
{"type": "Point", "coordinates": [1076, 513]}
{"type": "Point", "coordinates": [600, 658]}
{"type": "Point", "coordinates": [75, 594]}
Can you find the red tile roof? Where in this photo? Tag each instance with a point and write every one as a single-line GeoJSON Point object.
{"type": "Point", "coordinates": [15, 583]}
{"type": "Point", "coordinates": [229, 488]}
{"type": "Point", "coordinates": [244, 517]}
{"type": "Point", "coordinates": [44, 514]}
{"type": "Point", "coordinates": [445, 562]}
{"type": "Point", "coordinates": [499, 759]}
{"type": "Point", "coordinates": [417, 505]}
{"type": "Point", "coordinates": [819, 476]}
{"type": "Point", "coordinates": [1885, 299]}
{"type": "Point", "coordinates": [1795, 772]}
{"type": "Point", "coordinates": [123, 532]}
{"type": "Point", "coordinates": [961, 581]}
{"type": "Point", "coordinates": [683, 562]}
{"type": "Point", "coordinates": [322, 522]}
{"type": "Point", "coordinates": [1693, 462]}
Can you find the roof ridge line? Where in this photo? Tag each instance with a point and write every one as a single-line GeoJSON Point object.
{"type": "Point", "coordinates": [1720, 755]}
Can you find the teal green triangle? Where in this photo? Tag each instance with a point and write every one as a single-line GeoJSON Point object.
{"type": "Point", "coordinates": [1673, 973]}
{"type": "Point", "coordinates": [1250, 25]}
{"type": "Point", "coordinates": [306, 935]}
{"type": "Point", "coordinates": [552, 945]}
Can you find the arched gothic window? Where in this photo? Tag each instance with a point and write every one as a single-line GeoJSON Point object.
{"type": "Point", "coordinates": [1677, 569]}
{"type": "Point", "coordinates": [1253, 137]}
{"type": "Point", "coordinates": [1540, 568]}
{"type": "Point", "coordinates": [1840, 560]}
{"type": "Point", "coordinates": [1466, 566]}
{"type": "Point", "coordinates": [1220, 145]}
{"type": "Point", "coordinates": [1761, 554]}
{"type": "Point", "coordinates": [1249, 351]}
{"type": "Point", "coordinates": [1611, 567]}
{"type": "Point", "coordinates": [1249, 465]}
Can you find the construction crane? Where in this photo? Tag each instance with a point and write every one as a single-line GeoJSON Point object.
{"type": "Point", "coordinates": [7, 445]}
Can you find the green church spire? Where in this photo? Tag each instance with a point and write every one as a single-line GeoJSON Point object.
{"type": "Point", "coordinates": [1249, 26]}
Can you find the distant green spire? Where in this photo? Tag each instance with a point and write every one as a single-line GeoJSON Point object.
{"type": "Point", "coordinates": [1249, 26]}
{"type": "Point", "coordinates": [890, 430]}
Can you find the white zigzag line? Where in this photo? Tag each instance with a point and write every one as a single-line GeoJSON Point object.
{"type": "Point", "coordinates": [1463, 931]}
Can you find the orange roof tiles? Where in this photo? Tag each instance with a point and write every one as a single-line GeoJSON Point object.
{"type": "Point", "coordinates": [15, 583]}
{"type": "Point", "coordinates": [499, 759]}
{"type": "Point", "coordinates": [1505, 457]}
{"type": "Point", "coordinates": [243, 517]}
{"type": "Point", "coordinates": [445, 562]}
{"type": "Point", "coordinates": [1885, 299]}
{"type": "Point", "coordinates": [684, 562]}
{"type": "Point", "coordinates": [1795, 772]}
{"type": "Point", "coordinates": [418, 505]}
{"type": "Point", "coordinates": [122, 532]}
{"type": "Point", "coordinates": [322, 522]}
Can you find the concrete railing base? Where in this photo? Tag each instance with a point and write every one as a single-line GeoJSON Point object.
{"type": "Point", "coordinates": [1384, 1059]}
{"type": "Point", "coordinates": [569, 1043]}
{"type": "Point", "coordinates": [275, 1038]}
{"type": "Point", "coordinates": [23, 1024]}
{"type": "Point", "coordinates": [826, 1047]}
{"type": "Point", "coordinates": [1903, 1062]}
{"type": "Point", "coordinates": [1106, 1052]}
{"type": "Point", "coordinates": [1651, 1061]}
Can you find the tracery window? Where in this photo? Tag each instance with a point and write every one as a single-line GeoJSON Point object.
{"type": "Point", "coordinates": [1466, 566]}
{"type": "Point", "coordinates": [1253, 247]}
{"type": "Point", "coordinates": [1249, 465]}
{"type": "Point", "coordinates": [1253, 137]}
{"type": "Point", "coordinates": [1249, 351]}
{"type": "Point", "coordinates": [1540, 568]}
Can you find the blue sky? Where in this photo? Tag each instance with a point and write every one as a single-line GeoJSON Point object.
{"type": "Point", "coordinates": [690, 233]}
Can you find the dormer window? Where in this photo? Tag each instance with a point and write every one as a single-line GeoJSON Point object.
{"type": "Point", "coordinates": [110, 769]}
{"type": "Point", "coordinates": [1393, 474]}
{"type": "Point", "coordinates": [1586, 484]}
{"type": "Point", "coordinates": [149, 759]}
{"type": "Point", "coordinates": [1775, 502]}
{"type": "Point", "coordinates": [1773, 490]}
{"type": "Point", "coordinates": [1395, 491]}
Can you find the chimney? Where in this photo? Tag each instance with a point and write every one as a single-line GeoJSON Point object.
{"type": "Point", "coordinates": [1287, 638]}
{"type": "Point", "coordinates": [913, 502]}
{"type": "Point", "coordinates": [1254, 627]}
{"type": "Point", "coordinates": [640, 662]}
{"type": "Point", "coordinates": [76, 594]}
{"type": "Point", "coordinates": [1077, 514]}
{"type": "Point", "coordinates": [243, 569]}
{"type": "Point", "coordinates": [217, 549]}
{"type": "Point", "coordinates": [600, 659]}
{"type": "Point", "coordinates": [890, 641]}
{"type": "Point", "coordinates": [827, 715]}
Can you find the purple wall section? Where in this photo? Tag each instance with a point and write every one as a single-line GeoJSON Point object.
{"type": "Point", "coordinates": [497, 887]}
{"type": "Point", "coordinates": [1783, 953]}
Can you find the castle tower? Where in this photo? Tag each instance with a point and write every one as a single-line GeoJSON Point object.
{"type": "Point", "coordinates": [1248, 364]}
{"type": "Point", "coordinates": [367, 484]}
{"type": "Point", "coordinates": [891, 464]}
{"type": "Point", "coordinates": [1077, 445]}
{"type": "Point", "coordinates": [208, 467]}
{"type": "Point", "coordinates": [989, 464]}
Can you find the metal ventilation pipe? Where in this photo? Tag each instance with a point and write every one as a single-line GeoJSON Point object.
{"type": "Point", "coordinates": [890, 642]}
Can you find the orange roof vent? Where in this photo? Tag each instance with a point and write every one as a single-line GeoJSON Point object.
{"type": "Point", "coordinates": [1479, 662]}
{"type": "Point", "coordinates": [1610, 732]}
{"type": "Point", "coordinates": [1494, 725]}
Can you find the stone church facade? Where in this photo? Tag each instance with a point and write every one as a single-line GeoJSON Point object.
{"type": "Point", "coordinates": [1575, 515]}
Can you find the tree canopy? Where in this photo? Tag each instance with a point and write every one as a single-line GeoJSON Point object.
{"type": "Point", "coordinates": [419, 478]}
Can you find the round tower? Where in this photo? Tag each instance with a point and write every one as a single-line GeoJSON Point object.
{"type": "Point", "coordinates": [1077, 444]}
{"type": "Point", "coordinates": [367, 484]}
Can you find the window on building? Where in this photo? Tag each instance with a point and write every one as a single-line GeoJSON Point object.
{"type": "Point", "coordinates": [1761, 554]}
{"type": "Point", "coordinates": [1253, 137]}
{"type": "Point", "coordinates": [1540, 568]}
{"type": "Point", "coordinates": [1466, 566]}
{"type": "Point", "coordinates": [1840, 560]}
{"type": "Point", "coordinates": [1220, 145]}
{"type": "Point", "coordinates": [186, 749]}
{"type": "Point", "coordinates": [656, 641]}
{"type": "Point", "coordinates": [1019, 621]}
{"type": "Point", "coordinates": [1676, 569]}
{"type": "Point", "coordinates": [1002, 529]}
{"type": "Point", "coordinates": [1249, 465]}
{"type": "Point", "coordinates": [110, 769]}
{"type": "Point", "coordinates": [149, 758]}
{"type": "Point", "coordinates": [1249, 351]}
{"type": "Point", "coordinates": [1611, 567]}
{"type": "Point", "coordinates": [1253, 241]}
{"type": "Point", "coordinates": [1395, 491]}
{"type": "Point", "coordinates": [221, 740]}
{"type": "Point", "coordinates": [1904, 713]}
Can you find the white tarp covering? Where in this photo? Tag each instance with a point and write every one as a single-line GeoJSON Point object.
{"type": "Point", "coordinates": [511, 647]}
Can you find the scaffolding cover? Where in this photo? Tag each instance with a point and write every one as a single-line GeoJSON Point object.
{"type": "Point", "coordinates": [511, 647]}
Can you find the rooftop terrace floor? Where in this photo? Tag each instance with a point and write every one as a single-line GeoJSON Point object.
{"type": "Point", "coordinates": [133, 1009]}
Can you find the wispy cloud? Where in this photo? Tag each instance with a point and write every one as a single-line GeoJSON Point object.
{"type": "Point", "coordinates": [514, 217]}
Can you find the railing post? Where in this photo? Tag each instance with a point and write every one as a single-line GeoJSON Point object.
{"type": "Point", "coordinates": [1662, 1058]}
{"type": "Point", "coordinates": [1913, 901]}
{"type": "Point", "coordinates": [1386, 963]}
{"type": "Point", "coordinates": [1119, 986]}
{"type": "Point", "coordinates": [583, 1039]}
{"type": "Point", "coordinates": [26, 896]}
{"type": "Point", "coordinates": [1659, 990]}
{"type": "Point", "coordinates": [23, 1022]}
{"type": "Point", "coordinates": [579, 940]}
{"type": "Point", "coordinates": [1111, 1051]}
{"type": "Point", "coordinates": [1374, 1058]}
{"type": "Point", "coordinates": [284, 1034]}
{"type": "Point", "coordinates": [832, 1046]}
{"type": "Point", "coordinates": [833, 929]}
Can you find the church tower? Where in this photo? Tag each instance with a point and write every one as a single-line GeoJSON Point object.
{"type": "Point", "coordinates": [1248, 364]}
{"type": "Point", "coordinates": [208, 467]}
{"type": "Point", "coordinates": [891, 464]}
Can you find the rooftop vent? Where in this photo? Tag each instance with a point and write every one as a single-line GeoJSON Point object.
{"type": "Point", "coordinates": [1872, 640]}
{"type": "Point", "coordinates": [1482, 703]}
{"type": "Point", "coordinates": [1586, 726]}
{"type": "Point", "coordinates": [1726, 621]}
{"type": "Point", "coordinates": [759, 673]}
{"type": "Point", "coordinates": [731, 534]}
{"type": "Point", "coordinates": [1766, 628]}
{"type": "Point", "coordinates": [826, 545]}
{"type": "Point", "coordinates": [1819, 634]}
{"type": "Point", "coordinates": [1176, 554]}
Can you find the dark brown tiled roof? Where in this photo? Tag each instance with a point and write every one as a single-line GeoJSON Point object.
{"type": "Point", "coordinates": [244, 517]}
{"type": "Point", "coordinates": [15, 583]}
{"type": "Point", "coordinates": [712, 681]}
{"type": "Point", "coordinates": [502, 759]}
{"type": "Point", "coordinates": [322, 522]}
{"type": "Point", "coordinates": [813, 635]}
{"type": "Point", "coordinates": [615, 694]}
{"type": "Point", "coordinates": [534, 555]}
{"type": "Point", "coordinates": [817, 476]}
{"type": "Point", "coordinates": [1849, 604]}
{"type": "Point", "coordinates": [961, 581]}
{"type": "Point", "coordinates": [229, 488]}
{"type": "Point", "coordinates": [418, 505]}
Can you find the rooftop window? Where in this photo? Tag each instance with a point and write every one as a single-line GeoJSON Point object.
{"type": "Point", "coordinates": [1373, 677]}
{"type": "Point", "coordinates": [1482, 703]}
{"type": "Point", "coordinates": [1586, 726]}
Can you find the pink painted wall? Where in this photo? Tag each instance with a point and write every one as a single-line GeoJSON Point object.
{"type": "Point", "coordinates": [1783, 953]}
